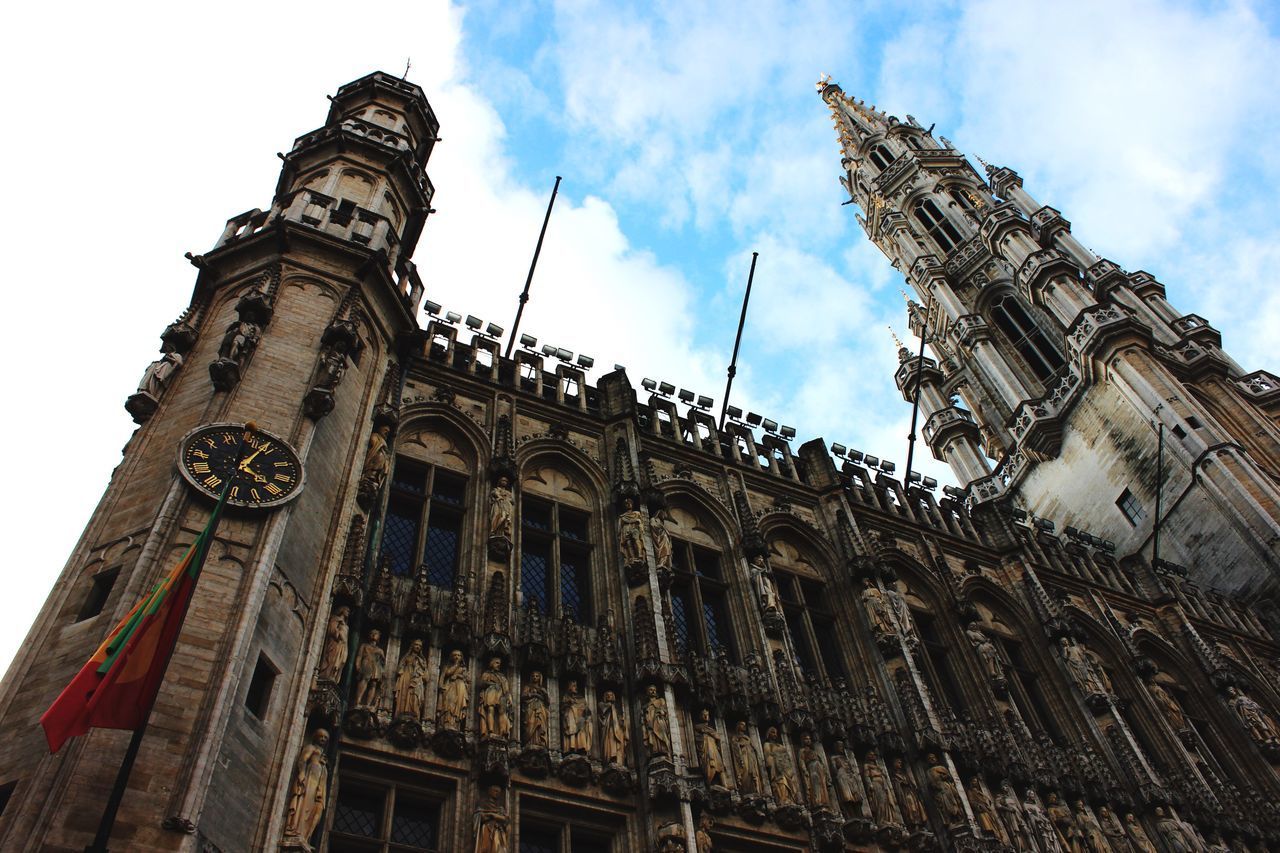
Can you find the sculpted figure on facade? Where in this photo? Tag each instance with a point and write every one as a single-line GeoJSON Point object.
{"type": "Point", "coordinates": [371, 662]}
{"type": "Point", "coordinates": [848, 783]}
{"type": "Point", "coordinates": [454, 695]}
{"type": "Point", "coordinates": [913, 813]}
{"type": "Point", "coordinates": [817, 781]}
{"type": "Point", "coordinates": [377, 463]}
{"type": "Point", "coordinates": [1113, 831]}
{"type": "Point", "coordinates": [877, 609]}
{"type": "Point", "coordinates": [495, 701]}
{"type": "Point", "coordinates": [613, 730]}
{"type": "Point", "coordinates": [155, 379]}
{"type": "Point", "coordinates": [310, 787]}
{"type": "Point", "coordinates": [631, 533]}
{"type": "Point", "coordinates": [882, 809]}
{"type": "Point", "coordinates": [702, 838]}
{"type": "Point", "coordinates": [238, 341]}
{"type": "Point", "coordinates": [1175, 835]}
{"type": "Point", "coordinates": [1168, 706]}
{"type": "Point", "coordinates": [902, 614]}
{"type": "Point", "coordinates": [984, 811]}
{"type": "Point", "coordinates": [766, 589]}
{"type": "Point", "coordinates": [492, 827]}
{"type": "Point", "coordinates": [1041, 826]}
{"type": "Point", "coordinates": [1095, 841]}
{"type": "Point", "coordinates": [1260, 726]}
{"type": "Point", "coordinates": [1064, 823]}
{"type": "Point", "coordinates": [657, 731]}
{"type": "Point", "coordinates": [746, 762]}
{"type": "Point", "coordinates": [575, 721]}
{"type": "Point", "coordinates": [661, 539]}
{"type": "Point", "coordinates": [782, 771]}
{"type": "Point", "coordinates": [411, 683]}
{"type": "Point", "coordinates": [992, 665]}
{"type": "Point", "coordinates": [943, 789]}
{"type": "Point", "coordinates": [1078, 666]}
{"type": "Point", "coordinates": [535, 714]}
{"type": "Point", "coordinates": [710, 753]}
{"type": "Point", "coordinates": [1015, 823]}
{"type": "Point", "coordinates": [333, 657]}
{"type": "Point", "coordinates": [501, 509]}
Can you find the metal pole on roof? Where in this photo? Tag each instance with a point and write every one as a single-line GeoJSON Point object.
{"type": "Point", "coordinates": [742, 319]}
{"type": "Point", "coordinates": [537, 250]}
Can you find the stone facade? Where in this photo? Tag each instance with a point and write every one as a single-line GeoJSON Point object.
{"type": "Point", "coordinates": [515, 609]}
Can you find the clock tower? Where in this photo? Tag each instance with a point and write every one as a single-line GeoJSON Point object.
{"type": "Point", "coordinates": [295, 322]}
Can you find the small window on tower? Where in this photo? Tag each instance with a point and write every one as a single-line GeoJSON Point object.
{"type": "Point", "coordinates": [6, 793]}
{"type": "Point", "coordinates": [1131, 508]}
{"type": "Point", "coordinates": [258, 698]}
{"type": "Point", "coordinates": [98, 594]}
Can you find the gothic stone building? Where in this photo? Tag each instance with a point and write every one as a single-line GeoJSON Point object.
{"type": "Point", "coordinates": [513, 608]}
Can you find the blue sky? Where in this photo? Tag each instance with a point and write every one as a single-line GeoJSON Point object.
{"type": "Point", "coordinates": [688, 135]}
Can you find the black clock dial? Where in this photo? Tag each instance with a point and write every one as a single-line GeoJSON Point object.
{"type": "Point", "coordinates": [265, 473]}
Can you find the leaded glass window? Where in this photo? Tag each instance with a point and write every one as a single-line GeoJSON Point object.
{"type": "Point", "coordinates": [375, 817]}
{"type": "Point", "coordinates": [555, 559]}
{"type": "Point", "coordinates": [423, 521]}
{"type": "Point", "coordinates": [698, 604]}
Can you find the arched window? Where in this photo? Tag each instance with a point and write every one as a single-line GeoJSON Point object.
{"type": "Point", "coordinates": [881, 157]}
{"type": "Point", "coordinates": [423, 523]}
{"type": "Point", "coordinates": [806, 606]}
{"type": "Point", "coordinates": [961, 197]}
{"type": "Point", "coordinates": [699, 605]}
{"type": "Point", "coordinates": [937, 226]}
{"type": "Point", "coordinates": [555, 545]}
{"type": "Point", "coordinates": [1025, 336]}
{"type": "Point", "coordinates": [937, 661]}
{"type": "Point", "coordinates": [1027, 693]}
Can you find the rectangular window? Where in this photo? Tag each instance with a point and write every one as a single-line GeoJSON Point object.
{"type": "Point", "coordinates": [944, 683]}
{"type": "Point", "coordinates": [1130, 507]}
{"type": "Point", "coordinates": [423, 522]}
{"type": "Point", "coordinates": [6, 794]}
{"type": "Point", "coordinates": [440, 552]}
{"type": "Point", "coordinates": [534, 578]}
{"type": "Point", "coordinates": [555, 559]}
{"type": "Point", "coordinates": [400, 535]}
{"type": "Point", "coordinates": [680, 619]}
{"type": "Point", "coordinates": [373, 817]}
{"type": "Point", "coordinates": [538, 836]}
{"type": "Point", "coordinates": [99, 591]}
{"type": "Point", "coordinates": [258, 697]}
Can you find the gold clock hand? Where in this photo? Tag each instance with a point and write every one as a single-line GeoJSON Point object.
{"type": "Point", "coordinates": [244, 464]}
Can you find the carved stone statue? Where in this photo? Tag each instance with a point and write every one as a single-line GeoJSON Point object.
{"type": "Point", "coordinates": [631, 533]}
{"type": "Point", "coordinates": [1041, 827]}
{"type": "Point", "coordinates": [1015, 823]}
{"type": "Point", "coordinates": [1099, 671]}
{"type": "Point", "coordinates": [495, 701]}
{"type": "Point", "coordinates": [613, 730]}
{"type": "Point", "coordinates": [746, 761]}
{"type": "Point", "coordinates": [817, 781]}
{"type": "Point", "coordinates": [310, 786]}
{"type": "Point", "coordinates": [766, 589]}
{"type": "Point", "coordinates": [657, 730]}
{"type": "Point", "coordinates": [901, 612]}
{"type": "Point", "coordinates": [454, 696]}
{"type": "Point", "coordinates": [1073, 654]}
{"type": "Point", "coordinates": [333, 363]}
{"type": "Point", "coordinates": [943, 789]}
{"type": "Point", "coordinates": [992, 665]}
{"type": "Point", "coordinates": [1168, 706]}
{"type": "Point", "coordinates": [238, 341]}
{"type": "Point", "coordinates": [913, 813]}
{"type": "Point", "coordinates": [984, 811]}
{"type": "Point", "coordinates": [782, 771]}
{"type": "Point", "coordinates": [1137, 835]}
{"type": "Point", "coordinates": [1113, 831]}
{"type": "Point", "coordinates": [710, 753]}
{"type": "Point", "coordinates": [371, 662]}
{"type": "Point", "coordinates": [1090, 830]}
{"type": "Point", "coordinates": [877, 609]}
{"type": "Point", "coordinates": [1070, 835]}
{"type": "Point", "coordinates": [882, 810]}
{"type": "Point", "coordinates": [157, 375]}
{"type": "Point", "coordinates": [1175, 835]}
{"type": "Point", "coordinates": [377, 461]}
{"type": "Point", "coordinates": [501, 509]}
{"type": "Point", "coordinates": [575, 721]}
{"type": "Point", "coordinates": [848, 784]}
{"type": "Point", "coordinates": [661, 539]}
{"type": "Point", "coordinates": [333, 657]}
{"type": "Point", "coordinates": [702, 838]}
{"type": "Point", "coordinates": [1261, 727]}
{"type": "Point", "coordinates": [535, 714]}
{"type": "Point", "coordinates": [411, 683]}
{"type": "Point", "coordinates": [492, 831]}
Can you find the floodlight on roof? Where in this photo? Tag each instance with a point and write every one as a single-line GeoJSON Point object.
{"type": "Point", "coordinates": [753, 419]}
{"type": "Point", "coordinates": [1072, 532]}
{"type": "Point", "coordinates": [649, 384]}
{"type": "Point", "coordinates": [953, 492]}
{"type": "Point", "coordinates": [433, 308]}
{"type": "Point", "coordinates": [528, 341]}
{"type": "Point", "coordinates": [770, 426]}
{"type": "Point", "coordinates": [474, 322]}
{"type": "Point", "coordinates": [563, 354]}
{"type": "Point", "coordinates": [548, 350]}
{"type": "Point", "coordinates": [871, 461]}
{"type": "Point", "coordinates": [887, 466]}
{"type": "Point", "coordinates": [1044, 524]}
{"type": "Point", "coordinates": [620, 367]}
{"type": "Point", "coordinates": [838, 449]}
{"type": "Point", "coordinates": [930, 483]}
{"type": "Point", "coordinates": [452, 317]}
{"type": "Point", "coordinates": [666, 388]}
{"type": "Point", "coordinates": [734, 412]}
{"type": "Point", "coordinates": [855, 456]}
{"type": "Point", "coordinates": [705, 402]}
{"type": "Point", "coordinates": [493, 330]}
{"type": "Point", "coordinates": [848, 468]}
{"type": "Point", "coordinates": [586, 362]}
{"type": "Point", "coordinates": [686, 396]}
{"type": "Point", "coordinates": [788, 432]}
{"type": "Point", "coordinates": [913, 477]}
{"type": "Point", "coordinates": [1108, 546]}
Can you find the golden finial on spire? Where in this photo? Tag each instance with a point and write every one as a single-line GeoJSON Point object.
{"type": "Point", "coordinates": [897, 341]}
{"type": "Point", "coordinates": [823, 82]}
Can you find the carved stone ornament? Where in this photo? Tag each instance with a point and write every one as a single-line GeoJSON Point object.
{"type": "Point", "coordinates": [377, 465]}
{"type": "Point", "coordinates": [240, 339]}
{"type": "Point", "coordinates": [309, 791]}
{"type": "Point", "coordinates": [501, 513]}
{"type": "Point", "coordinates": [492, 826]}
{"type": "Point", "coordinates": [155, 381]}
{"type": "Point", "coordinates": [631, 542]}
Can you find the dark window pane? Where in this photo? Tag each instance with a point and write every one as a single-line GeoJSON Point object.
{"type": "Point", "coordinates": [573, 525]}
{"type": "Point", "coordinates": [400, 536]}
{"type": "Point", "coordinates": [409, 477]}
{"type": "Point", "coordinates": [534, 557]}
{"type": "Point", "coordinates": [440, 552]}
{"type": "Point", "coordinates": [538, 839]}
{"type": "Point", "coordinates": [359, 812]}
{"type": "Point", "coordinates": [813, 596]}
{"type": "Point", "coordinates": [680, 616]}
{"type": "Point", "coordinates": [259, 694]}
{"type": "Point", "coordinates": [414, 822]}
{"type": "Point", "coordinates": [787, 587]}
{"type": "Point", "coordinates": [98, 593]}
{"type": "Point", "coordinates": [718, 633]}
{"type": "Point", "coordinates": [575, 590]}
{"type": "Point", "coordinates": [535, 515]}
{"type": "Point", "coordinates": [795, 623]}
{"type": "Point", "coordinates": [679, 556]}
{"type": "Point", "coordinates": [828, 647]}
{"type": "Point", "coordinates": [587, 844]}
{"type": "Point", "coordinates": [449, 488]}
{"type": "Point", "coordinates": [707, 563]}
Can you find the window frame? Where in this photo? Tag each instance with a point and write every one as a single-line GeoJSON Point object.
{"type": "Point", "coordinates": [937, 225]}
{"type": "Point", "coordinates": [373, 779]}
{"type": "Point", "coordinates": [701, 589]}
{"type": "Point", "coordinates": [554, 539]}
{"type": "Point", "coordinates": [1131, 508]}
{"type": "Point", "coordinates": [1028, 341]}
{"type": "Point", "coordinates": [814, 656]}
{"type": "Point", "coordinates": [422, 506]}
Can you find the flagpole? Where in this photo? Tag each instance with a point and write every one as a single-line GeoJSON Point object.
{"type": "Point", "coordinates": [742, 319]}
{"type": "Point", "coordinates": [915, 408]}
{"type": "Point", "coordinates": [107, 823]}
{"type": "Point", "coordinates": [537, 250]}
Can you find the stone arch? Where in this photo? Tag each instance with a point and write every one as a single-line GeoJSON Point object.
{"type": "Point", "coordinates": [441, 440]}
{"type": "Point", "coordinates": [414, 416]}
{"type": "Point", "coordinates": [355, 185]}
{"type": "Point", "coordinates": [774, 523]}
{"type": "Point", "coordinates": [594, 480]}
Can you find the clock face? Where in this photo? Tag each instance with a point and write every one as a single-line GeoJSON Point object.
{"type": "Point", "coordinates": [266, 473]}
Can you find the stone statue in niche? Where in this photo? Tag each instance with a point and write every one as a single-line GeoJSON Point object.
{"type": "Point", "coordinates": [1078, 666]}
{"type": "Point", "coordinates": [881, 801]}
{"type": "Point", "coordinates": [746, 761]}
{"type": "Point", "coordinates": [661, 539]}
{"type": "Point", "coordinates": [501, 514]}
{"type": "Point", "coordinates": [945, 795]}
{"type": "Point", "coordinates": [1113, 831]}
{"type": "Point", "coordinates": [1176, 837]}
{"type": "Point", "coordinates": [782, 771]}
{"type": "Point", "coordinates": [631, 534]}
{"type": "Point", "coordinates": [454, 695]}
{"type": "Point", "coordinates": [710, 753]}
{"type": "Point", "coordinates": [913, 813]}
{"type": "Point", "coordinates": [1064, 823]}
{"type": "Point", "coordinates": [495, 701]}
{"type": "Point", "coordinates": [411, 683]}
{"type": "Point", "coordinates": [310, 787]}
{"type": "Point", "coordinates": [1099, 672]}
{"type": "Point", "coordinates": [766, 588]}
{"type": "Point", "coordinates": [377, 464]}
{"type": "Point", "coordinates": [657, 730]}
{"type": "Point", "coordinates": [339, 338]}
{"type": "Point", "coordinates": [1095, 839]}
{"type": "Point", "coordinates": [1137, 835]}
{"type": "Point", "coordinates": [1168, 706]}
{"type": "Point", "coordinates": [902, 613]}
{"type": "Point", "coordinates": [1260, 726]}
{"type": "Point", "coordinates": [702, 838]}
{"type": "Point", "coordinates": [848, 784]}
{"type": "Point", "coordinates": [984, 811]}
{"type": "Point", "coordinates": [371, 660]}
{"type": "Point", "coordinates": [877, 609]}
{"type": "Point", "coordinates": [333, 657]}
{"type": "Point", "coordinates": [988, 654]}
{"type": "Point", "coordinates": [1014, 821]}
{"type": "Point", "coordinates": [817, 781]}
{"type": "Point", "coordinates": [492, 830]}
{"type": "Point", "coordinates": [155, 381]}
{"type": "Point", "coordinates": [1042, 830]}
{"type": "Point", "coordinates": [613, 730]}
{"type": "Point", "coordinates": [535, 714]}
{"type": "Point", "coordinates": [238, 342]}
{"type": "Point", "coordinates": [575, 721]}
